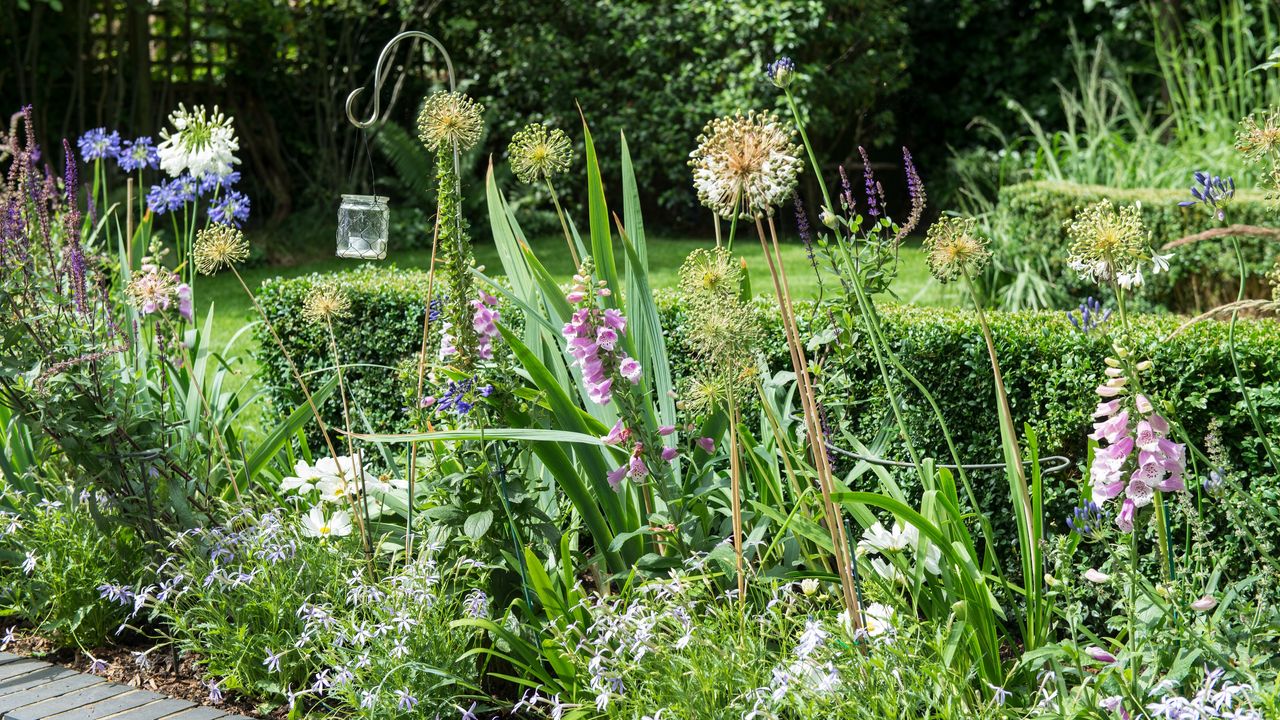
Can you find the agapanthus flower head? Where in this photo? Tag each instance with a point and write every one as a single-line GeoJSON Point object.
{"type": "Point", "coordinates": [138, 154]}
{"type": "Point", "coordinates": [539, 153]}
{"type": "Point", "coordinates": [98, 144]}
{"type": "Point", "coordinates": [1258, 138]}
{"type": "Point", "coordinates": [448, 120]}
{"type": "Point", "coordinates": [745, 165]}
{"type": "Point", "coordinates": [1108, 244]}
{"type": "Point", "coordinates": [164, 197]}
{"type": "Point", "coordinates": [231, 209]}
{"type": "Point", "coordinates": [198, 144]}
{"type": "Point", "coordinates": [210, 183]}
{"type": "Point", "coordinates": [1213, 192]}
{"type": "Point", "coordinates": [218, 247]}
{"type": "Point", "coordinates": [326, 303]}
{"type": "Point", "coordinates": [954, 248]}
{"type": "Point", "coordinates": [1090, 316]}
{"type": "Point", "coordinates": [1088, 521]}
{"type": "Point", "coordinates": [781, 72]}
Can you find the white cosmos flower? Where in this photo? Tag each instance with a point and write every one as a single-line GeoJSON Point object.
{"type": "Point", "coordinates": [315, 524]}
{"type": "Point", "coordinates": [200, 143]}
{"type": "Point", "coordinates": [879, 619]}
{"type": "Point", "coordinates": [305, 479]}
{"type": "Point", "coordinates": [876, 539]}
{"type": "Point", "coordinates": [335, 489]}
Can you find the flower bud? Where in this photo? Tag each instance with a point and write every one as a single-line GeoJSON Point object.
{"type": "Point", "coordinates": [1145, 365]}
{"type": "Point", "coordinates": [1205, 604]}
{"type": "Point", "coordinates": [1099, 654]}
{"type": "Point", "coordinates": [1096, 576]}
{"type": "Point", "coordinates": [827, 218]}
{"type": "Point", "coordinates": [809, 586]}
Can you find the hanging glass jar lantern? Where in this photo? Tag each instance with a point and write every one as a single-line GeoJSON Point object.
{"type": "Point", "coordinates": [364, 220]}
{"type": "Point", "coordinates": [362, 227]}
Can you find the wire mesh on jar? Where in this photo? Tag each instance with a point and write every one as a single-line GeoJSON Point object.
{"type": "Point", "coordinates": [363, 221]}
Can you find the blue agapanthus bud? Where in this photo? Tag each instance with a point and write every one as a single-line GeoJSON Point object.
{"type": "Point", "coordinates": [1216, 483]}
{"type": "Point", "coordinates": [1088, 521]}
{"type": "Point", "coordinates": [781, 72]}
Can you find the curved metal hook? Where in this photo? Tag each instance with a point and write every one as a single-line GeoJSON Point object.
{"type": "Point", "coordinates": [378, 79]}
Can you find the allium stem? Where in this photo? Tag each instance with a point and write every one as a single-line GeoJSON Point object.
{"type": "Point", "coordinates": [361, 514]}
{"type": "Point", "coordinates": [813, 426]}
{"type": "Point", "coordinates": [564, 224]}
{"type": "Point", "coordinates": [422, 373]}
{"type": "Point", "coordinates": [735, 486]}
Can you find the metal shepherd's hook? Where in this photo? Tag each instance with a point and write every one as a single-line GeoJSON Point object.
{"type": "Point", "coordinates": [379, 79]}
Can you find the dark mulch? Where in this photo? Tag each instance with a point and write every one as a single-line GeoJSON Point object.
{"type": "Point", "coordinates": [156, 673]}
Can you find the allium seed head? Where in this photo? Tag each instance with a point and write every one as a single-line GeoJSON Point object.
{"type": "Point", "coordinates": [745, 165]}
{"type": "Point", "coordinates": [326, 303]}
{"type": "Point", "coordinates": [218, 247]}
{"type": "Point", "coordinates": [450, 119]}
{"type": "Point", "coordinates": [538, 153]}
{"type": "Point", "coordinates": [1107, 243]}
{"type": "Point", "coordinates": [953, 248]}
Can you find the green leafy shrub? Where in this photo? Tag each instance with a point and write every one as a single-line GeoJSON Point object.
{"type": "Point", "coordinates": [1050, 369]}
{"type": "Point", "coordinates": [56, 558]}
{"type": "Point", "coordinates": [1201, 275]}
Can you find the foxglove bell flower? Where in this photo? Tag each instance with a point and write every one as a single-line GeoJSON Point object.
{"type": "Point", "coordinates": [593, 337]}
{"type": "Point", "coordinates": [485, 321]}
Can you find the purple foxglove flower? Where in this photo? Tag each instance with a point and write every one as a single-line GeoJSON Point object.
{"type": "Point", "coordinates": [1095, 576]}
{"type": "Point", "coordinates": [615, 476]}
{"type": "Point", "coordinates": [617, 434]}
{"type": "Point", "coordinates": [1107, 391]}
{"type": "Point", "coordinates": [669, 453]}
{"type": "Point", "coordinates": [1113, 429]}
{"type": "Point", "coordinates": [665, 430]}
{"type": "Point", "coordinates": [1107, 409]}
{"type": "Point", "coordinates": [630, 370]}
{"type": "Point", "coordinates": [1124, 520]}
{"type": "Point", "coordinates": [707, 444]}
{"type": "Point", "coordinates": [1099, 654]}
{"type": "Point", "coordinates": [186, 307]}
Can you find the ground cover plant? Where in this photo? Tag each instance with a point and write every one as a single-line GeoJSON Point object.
{"type": "Point", "coordinates": [538, 477]}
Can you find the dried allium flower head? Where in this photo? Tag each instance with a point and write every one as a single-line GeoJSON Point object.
{"type": "Point", "coordinates": [326, 303]}
{"type": "Point", "coordinates": [953, 248]}
{"type": "Point", "coordinates": [1107, 244]}
{"type": "Point", "coordinates": [450, 119]}
{"type": "Point", "coordinates": [745, 165]}
{"type": "Point", "coordinates": [219, 246]}
{"type": "Point", "coordinates": [1258, 138]}
{"type": "Point", "coordinates": [538, 152]}
{"type": "Point", "coordinates": [153, 289]}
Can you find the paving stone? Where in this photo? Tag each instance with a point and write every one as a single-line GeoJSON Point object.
{"type": "Point", "coordinates": [201, 713]}
{"type": "Point", "coordinates": [20, 667]}
{"type": "Point", "coordinates": [33, 679]}
{"type": "Point", "coordinates": [72, 700]}
{"type": "Point", "coordinates": [158, 710]}
{"type": "Point", "coordinates": [36, 694]}
{"type": "Point", "coordinates": [112, 706]}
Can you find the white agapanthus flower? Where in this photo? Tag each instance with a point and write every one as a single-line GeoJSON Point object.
{"type": "Point", "coordinates": [199, 143]}
{"type": "Point", "coordinates": [316, 524]}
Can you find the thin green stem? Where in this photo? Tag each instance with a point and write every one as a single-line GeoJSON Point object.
{"type": "Point", "coordinates": [1235, 363]}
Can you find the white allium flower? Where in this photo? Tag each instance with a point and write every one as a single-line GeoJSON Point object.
{"type": "Point", "coordinates": [315, 524]}
{"type": "Point", "coordinates": [745, 165]}
{"type": "Point", "coordinates": [200, 143]}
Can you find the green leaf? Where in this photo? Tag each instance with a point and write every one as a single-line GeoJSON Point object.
{"type": "Point", "coordinates": [478, 524]}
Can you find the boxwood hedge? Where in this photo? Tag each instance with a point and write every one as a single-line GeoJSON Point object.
{"type": "Point", "coordinates": [1201, 275]}
{"type": "Point", "coordinates": [1050, 368]}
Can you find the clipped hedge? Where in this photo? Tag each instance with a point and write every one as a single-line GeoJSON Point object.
{"type": "Point", "coordinates": [1201, 275]}
{"type": "Point", "coordinates": [1050, 368]}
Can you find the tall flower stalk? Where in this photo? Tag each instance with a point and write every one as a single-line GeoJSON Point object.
{"type": "Point", "coordinates": [746, 166]}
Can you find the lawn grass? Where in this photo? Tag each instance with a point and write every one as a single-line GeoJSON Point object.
{"type": "Point", "coordinates": [232, 307]}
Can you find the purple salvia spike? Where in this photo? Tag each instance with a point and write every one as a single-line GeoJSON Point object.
{"type": "Point", "coordinates": [846, 192]}
{"type": "Point", "coordinates": [869, 180]}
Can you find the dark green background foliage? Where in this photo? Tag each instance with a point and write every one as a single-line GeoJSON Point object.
{"type": "Point", "coordinates": [1050, 369]}
{"type": "Point", "coordinates": [873, 76]}
{"type": "Point", "coordinates": [1201, 275]}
